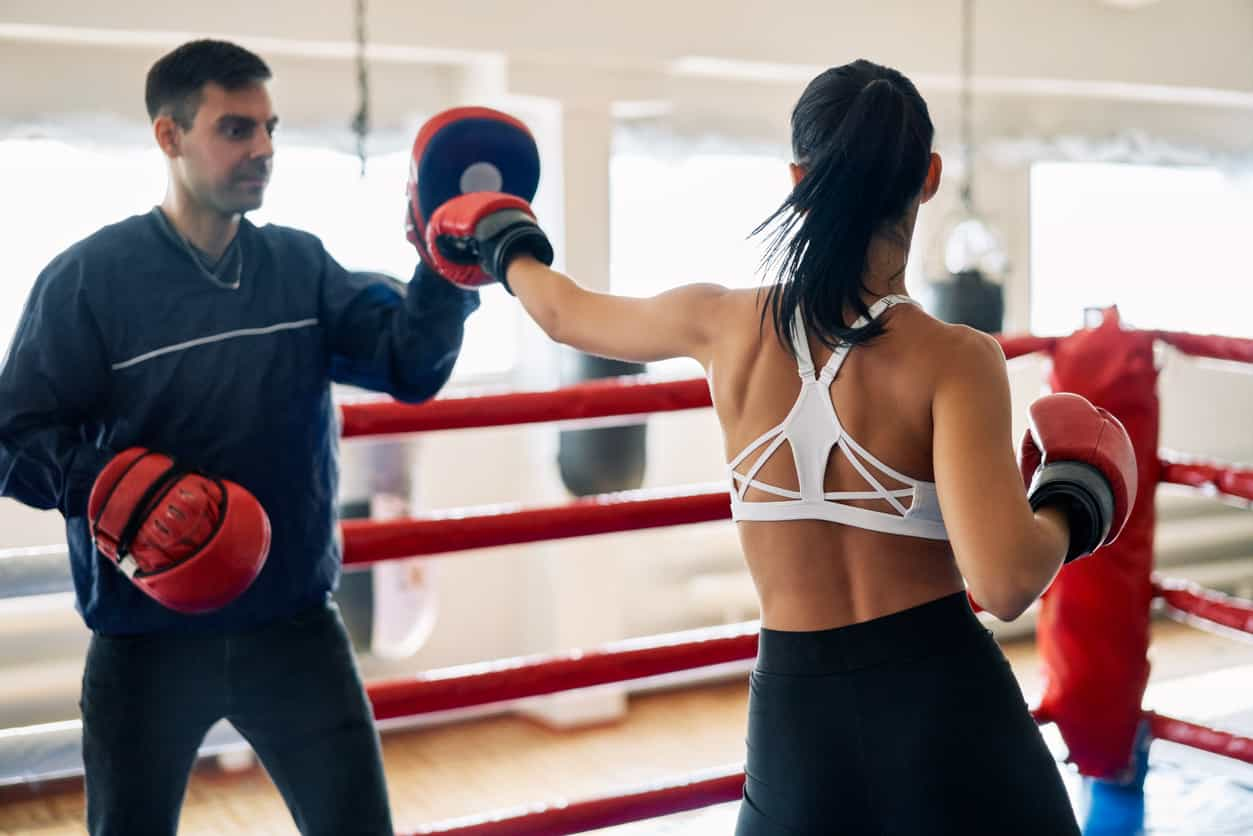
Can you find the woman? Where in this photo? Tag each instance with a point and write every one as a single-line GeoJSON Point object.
{"type": "Point", "coordinates": [879, 704]}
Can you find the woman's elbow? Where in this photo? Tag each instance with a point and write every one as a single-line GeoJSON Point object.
{"type": "Point", "coordinates": [1006, 607]}
{"type": "Point", "coordinates": [999, 597]}
{"type": "Point", "coordinates": [1011, 593]}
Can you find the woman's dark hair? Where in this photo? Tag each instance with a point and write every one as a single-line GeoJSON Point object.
{"type": "Point", "coordinates": [863, 134]}
{"type": "Point", "coordinates": [175, 83]}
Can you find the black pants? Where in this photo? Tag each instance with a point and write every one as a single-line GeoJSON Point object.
{"type": "Point", "coordinates": [292, 689]}
{"type": "Point", "coordinates": [908, 724]}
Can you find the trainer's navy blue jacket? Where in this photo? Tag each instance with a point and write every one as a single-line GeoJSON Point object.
{"type": "Point", "coordinates": [126, 340]}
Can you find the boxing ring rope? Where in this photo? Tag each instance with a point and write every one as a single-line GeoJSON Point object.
{"type": "Point", "coordinates": [514, 678]}
{"type": "Point", "coordinates": [1020, 345]}
{"type": "Point", "coordinates": [1209, 346]}
{"type": "Point", "coordinates": [1192, 604]}
{"type": "Point", "coordinates": [703, 789]}
{"type": "Point", "coordinates": [370, 541]}
{"type": "Point", "coordinates": [1213, 478]}
{"type": "Point", "coordinates": [367, 542]}
{"type": "Point", "coordinates": [607, 397]}
{"type": "Point", "coordinates": [1200, 737]}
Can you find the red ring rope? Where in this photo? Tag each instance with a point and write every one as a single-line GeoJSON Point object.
{"type": "Point", "coordinates": [690, 793]}
{"type": "Point", "coordinates": [516, 678]}
{"type": "Point", "coordinates": [371, 541]}
{"type": "Point", "coordinates": [1196, 602]}
{"type": "Point", "coordinates": [1219, 479]}
{"type": "Point", "coordinates": [594, 399]}
{"type": "Point", "coordinates": [1201, 737]}
{"type": "Point", "coordinates": [1018, 345]}
{"type": "Point", "coordinates": [1208, 345]}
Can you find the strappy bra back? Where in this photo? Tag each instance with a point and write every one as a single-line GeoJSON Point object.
{"type": "Point", "coordinates": [812, 429]}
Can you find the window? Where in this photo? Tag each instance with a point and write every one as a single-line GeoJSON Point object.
{"type": "Point", "coordinates": [1169, 246]}
{"type": "Point", "coordinates": [676, 221]}
{"type": "Point", "coordinates": [57, 194]}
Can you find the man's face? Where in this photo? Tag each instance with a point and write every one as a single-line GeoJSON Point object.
{"type": "Point", "coordinates": [224, 160]}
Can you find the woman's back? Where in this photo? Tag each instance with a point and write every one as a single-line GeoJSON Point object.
{"type": "Point", "coordinates": [813, 574]}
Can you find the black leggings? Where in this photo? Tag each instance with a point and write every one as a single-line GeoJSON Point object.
{"type": "Point", "coordinates": [292, 689]}
{"type": "Point", "coordinates": [911, 723]}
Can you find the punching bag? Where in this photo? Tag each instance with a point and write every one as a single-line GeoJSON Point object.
{"type": "Point", "coordinates": [967, 298]}
{"type": "Point", "coordinates": [600, 460]}
{"type": "Point", "coordinates": [1093, 630]}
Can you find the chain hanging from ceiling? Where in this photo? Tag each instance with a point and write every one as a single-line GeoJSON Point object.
{"type": "Point", "coordinates": [970, 242]}
{"type": "Point", "coordinates": [966, 105]}
{"type": "Point", "coordinates": [361, 120]}
{"type": "Point", "coordinates": [967, 260]}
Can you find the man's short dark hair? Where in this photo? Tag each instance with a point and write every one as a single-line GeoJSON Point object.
{"type": "Point", "coordinates": [176, 82]}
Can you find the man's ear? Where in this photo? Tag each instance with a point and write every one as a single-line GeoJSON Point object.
{"type": "Point", "coordinates": [167, 134]}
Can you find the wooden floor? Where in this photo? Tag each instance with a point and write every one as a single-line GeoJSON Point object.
{"type": "Point", "coordinates": [454, 770]}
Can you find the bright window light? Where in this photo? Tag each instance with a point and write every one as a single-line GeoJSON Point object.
{"type": "Point", "coordinates": [678, 221]}
{"type": "Point", "coordinates": [57, 194]}
{"type": "Point", "coordinates": [675, 221]}
{"type": "Point", "coordinates": [1169, 246]}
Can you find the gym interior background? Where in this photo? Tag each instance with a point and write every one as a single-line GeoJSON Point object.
{"type": "Point", "coordinates": [1107, 144]}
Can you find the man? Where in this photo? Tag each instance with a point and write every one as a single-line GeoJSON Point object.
{"type": "Point", "coordinates": [192, 333]}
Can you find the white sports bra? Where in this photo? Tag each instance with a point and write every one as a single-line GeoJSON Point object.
{"type": "Point", "coordinates": [812, 428]}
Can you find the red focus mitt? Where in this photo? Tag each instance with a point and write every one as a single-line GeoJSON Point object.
{"type": "Point", "coordinates": [190, 542]}
{"type": "Point", "coordinates": [461, 151]}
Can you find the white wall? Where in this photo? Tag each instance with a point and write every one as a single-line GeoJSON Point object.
{"type": "Point", "coordinates": [644, 50]}
{"type": "Point", "coordinates": [1166, 43]}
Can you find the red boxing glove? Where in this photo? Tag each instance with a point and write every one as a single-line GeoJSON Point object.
{"type": "Point", "coordinates": [190, 542]}
{"type": "Point", "coordinates": [1079, 458]}
{"type": "Point", "coordinates": [472, 238]}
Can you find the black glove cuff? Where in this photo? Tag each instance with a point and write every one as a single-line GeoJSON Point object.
{"type": "Point", "coordinates": [1084, 495]}
{"type": "Point", "coordinates": [505, 235]}
{"type": "Point", "coordinates": [520, 240]}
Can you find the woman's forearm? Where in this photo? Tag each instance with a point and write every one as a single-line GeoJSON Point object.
{"type": "Point", "coordinates": [540, 289]}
